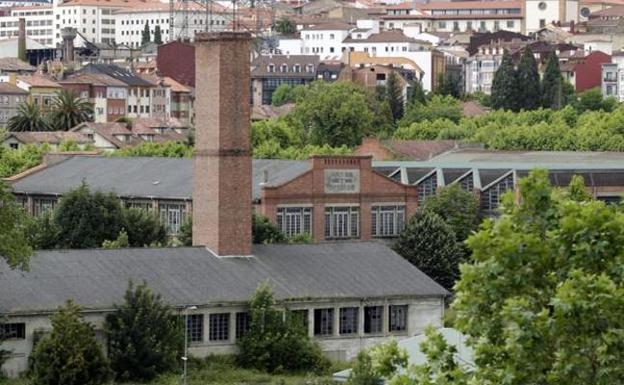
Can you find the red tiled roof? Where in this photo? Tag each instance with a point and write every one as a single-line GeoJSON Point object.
{"type": "Point", "coordinates": [38, 81]}
{"type": "Point", "coordinates": [174, 85]}
{"type": "Point", "coordinates": [50, 137]}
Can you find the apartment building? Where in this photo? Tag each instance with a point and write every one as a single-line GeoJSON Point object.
{"type": "Point", "coordinates": [612, 77]}
{"type": "Point", "coordinates": [108, 95]}
{"type": "Point", "coordinates": [41, 90]}
{"type": "Point", "coordinates": [270, 71]}
{"type": "Point", "coordinates": [39, 23]}
{"type": "Point", "coordinates": [94, 19]}
{"type": "Point", "coordinates": [10, 98]}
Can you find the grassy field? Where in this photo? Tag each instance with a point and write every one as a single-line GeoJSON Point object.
{"type": "Point", "coordinates": [222, 371]}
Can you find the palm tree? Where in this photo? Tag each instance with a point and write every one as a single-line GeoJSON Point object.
{"type": "Point", "coordinates": [68, 110]}
{"type": "Point", "coordinates": [28, 118]}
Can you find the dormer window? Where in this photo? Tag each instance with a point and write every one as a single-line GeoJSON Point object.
{"type": "Point", "coordinates": [271, 68]}
{"type": "Point", "coordinates": [310, 68]}
{"type": "Point", "coordinates": [297, 68]}
{"type": "Point", "coordinates": [284, 68]}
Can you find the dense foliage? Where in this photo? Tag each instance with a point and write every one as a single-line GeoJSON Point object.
{"type": "Point", "coordinates": [69, 354]}
{"type": "Point", "coordinates": [14, 246]}
{"type": "Point", "coordinates": [529, 87]}
{"type": "Point", "coordinates": [457, 207]}
{"type": "Point", "coordinates": [394, 95]}
{"type": "Point", "coordinates": [375, 364]}
{"type": "Point", "coordinates": [263, 231]}
{"type": "Point", "coordinates": [28, 118]}
{"type": "Point", "coordinates": [67, 110]}
{"type": "Point", "coordinates": [285, 26]}
{"type": "Point", "coordinates": [541, 129]}
{"type": "Point", "coordinates": [541, 301]}
{"type": "Point", "coordinates": [505, 86]}
{"type": "Point", "coordinates": [430, 244]}
{"type": "Point", "coordinates": [144, 337]}
{"type": "Point", "coordinates": [432, 109]}
{"type": "Point", "coordinates": [277, 341]}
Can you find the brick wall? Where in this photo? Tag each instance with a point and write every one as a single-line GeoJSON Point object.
{"type": "Point", "coordinates": [177, 61]}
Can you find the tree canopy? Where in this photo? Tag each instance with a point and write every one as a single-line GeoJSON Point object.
{"type": "Point", "coordinates": [553, 92]}
{"type": "Point", "coordinates": [529, 88]}
{"type": "Point", "coordinates": [28, 118]}
{"type": "Point", "coordinates": [69, 110]}
{"type": "Point", "coordinates": [505, 86]}
{"type": "Point", "coordinates": [457, 207]}
{"type": "Point", "coordinates": [14, 246]}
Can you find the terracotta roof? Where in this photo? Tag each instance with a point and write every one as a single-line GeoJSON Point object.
{"type": "Point", "coordinates": [50, 137]}
{"type": "Point", "coordinates": [27, 7]}
{"type": "Point", "coordinates": [108, 3]}
{"type": "Point", "coordinates": [175, 86]}
{"type": "Point", "coordinates": [38, 81]}
{"type": "Point", "coordinates": [470, 5]}
{"type": "Point", "coordinates": [157, 123]}
{"type": "Point", "coordinates": [108, 131]}
{"type": "Point", "coordinates": [12, 64]}
{"type": "Point", "coordinates": [264, 112]}
{"type": "Point", "coordinates": [329, 27]}
{"type": "Point", "coordinates": [612, 11]}
{"type": "Point", "coordinates": [393, 36]}
{"type": "Point", "coordinates": [406, 5]}
{"type": "Point", "coordinates": [94, 79]}
{"type": "Point", "coordinates": [8, 88]}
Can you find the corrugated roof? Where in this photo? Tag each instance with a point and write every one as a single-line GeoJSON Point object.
{"type": "Point", "coordinates": [142, 176]}
{"type": "Point", "coordinates": [97, 279]}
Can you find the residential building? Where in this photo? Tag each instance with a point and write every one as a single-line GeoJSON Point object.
{"type": "Point", "coordinates": [107, 94]}
{"type": "Point", "coordinates": [181, 101]}
{"type": "Point", "coordinates": [607, 21]}
{"type": "Point", "coordinates": [324, 40]}
{"type": "Point", "coordinates": [41, 90]}
{"type": "Point", "coordinates": [39, 23]}
{"type": "Point", "coordinates": [53, 139]}
{"type": "Point", "coordinates": [270, 71]}
{"type": "Point", "coordinates": [220, 274]}
{"type": "Point", "coordinates": [612, 77]}
{"type": "Point", "coordinates": [10, 98]}
{"type": "Point", "coordinates": [583, 70]}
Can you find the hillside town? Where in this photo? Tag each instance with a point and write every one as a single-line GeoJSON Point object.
{"type": "Point", "coordinates": [311, 192]}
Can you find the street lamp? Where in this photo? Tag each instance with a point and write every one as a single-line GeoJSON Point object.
{"type": "Point", "coordinates": [185, 357]}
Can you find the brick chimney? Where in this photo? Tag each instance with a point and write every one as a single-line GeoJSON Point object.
{"type": "Point", "coordinates": [21, 39]}
{"type": "Point", "coordinates": [222, 161]}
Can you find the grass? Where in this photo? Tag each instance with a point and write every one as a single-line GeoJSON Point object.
{"type": "Point", "coordinates": [222, 371]}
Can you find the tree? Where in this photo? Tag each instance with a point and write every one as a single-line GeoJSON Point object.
{"type": "Point", "coordinates": [285, 26]}
{"type": "Point", "coordinates": [552, 84]}
{"type": "Point", "coordinates": [277, 341]}
{"type": "Point", "coordinates": [146, 36]}
{"type": "Point", "coordinates": [438, 107]}
{"type": "Point", "coordinates": [86, 219]}
{"type": "Point", "coordinates": [120, 242]}
{"type": "Point", "coordinates": [144, 337]}
{"type": "Point", "coordinates": [541, 302]}
{"type": "Point", "coordinates": [505, 85]}
{"type": "Point", "coordinates": [380, 362]}
{"type": "Point", "coordinates": [263, 231]}
{"type": "Point", "coordinates": [185, 236]}
{"type": "Point", "coordinates": [143, 228]}
{"type": "Point", "coordinates": [70, 354]}
{"type": "Point", "coordinates": [457, 207]}
{"type": "Point", "coordinates": [69, 110]}
{"type": "Point", "coordinates": [335, 114]}
{"type": "Point", "coordinates": [394, 93]}
{"type": "Point", "coordinates": [42, 231]}
{"type": "Point", "coordinates": [157, 35]}
{"type": "Point", "coordinates": [449, 84]}
{"type": "Point", "coordinates": [592, 100]}
{"type": "Point", "coordinates": [28, 118]}
{"type": "Point", "coordinates": [14, 246]}
{"type": "Point", "coordinates": [529, 89]}
{"type": "Point", "coordinates": [417, 93]}
{"type": "Point", "coordinates": [430, 245]}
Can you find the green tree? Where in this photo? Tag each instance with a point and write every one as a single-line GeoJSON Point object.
{"type": "Point", "coordinates": [450, 84]}
{"type": "Point", "coordinates": [285, 26]}
{"type": "Point", "coordinates": [263, 231]}
{"type": "Point", "coordinates": [457, 207]}
{"type": "Point", "coordinates": [86, 219]}
{"type": "Point", "coordinates": [28, 118]}
{"type": "Point", "coordinates": [282, 94]}
{"type": "Point", "coordinates": [146, 36]}
{"type": "Point", "coordinates": [14, 246]}
{"type": "Point", "coordinates": [70, 354]}
{"type": "Point", "coordinates": [529, 88]}
{"type": "Point", "coordinates": [120, 242]}
{"type": "Point", "coordinates": [42, 231]}
{"type": "Point", "coordinates": [335, 114]}
{"type": "Point", "coordinates": [277, 341]}
{"type": "Point", "coordinates": [417, 93]}
{"type": "Point", "coordinates": [541, 303]}
{"type": "Point", "coordinates": [394, 93]}
{"type": "Point", "coordinates": [380, 362]}
{"type": "Point", "coordinates": [430, 245]}
{"type": "Point", "coordinates": [505, 85]}
{"type": "Point", "coordinates": [185, 236]}
{"type": "Point", "coordinates": [69, 110]}
{"type": "Point", "coordinates": [157, 35]}
{"type": "Point", "coordinates": [144, 337]}
{"type": "Point", "coordinates": [143, 228]}
{"type": "Point", "coordinates": [438, 107]}
{"type": "Point", "coordinates": [553, 85]}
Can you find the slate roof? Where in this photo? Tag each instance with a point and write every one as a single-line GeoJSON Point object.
{"type": "Point", "coordinates": [12, 64]}
{"type": "Point", "coordinates": [142, 176]}
{"type": "Point", "coordinates": [96, 279]}
{"type": "Point", "coordinates": [118, 73]}
{"type": "Point", "coordinates": [261, 63]}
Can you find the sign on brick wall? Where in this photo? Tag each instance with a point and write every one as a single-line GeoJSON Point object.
{"type": "Point", "coordinates": [342, 181]}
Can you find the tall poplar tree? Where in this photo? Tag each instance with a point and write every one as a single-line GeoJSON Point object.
{"type": "Point", "coordinates": [529, 90]}
{"type": "Point", "coordinates": [552, 84]}
{"type": "Point", "coordinates": [505, 85]}
{"type": "Point", "coordinates": [145, 35]}
{"type": "Point", "coordinates": [157, 35]}
{"type": "Point", "coordinates": [395, 97]}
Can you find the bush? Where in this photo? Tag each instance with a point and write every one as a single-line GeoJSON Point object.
{"type": "Point", "coordinates": [457, 207]}
{"type": "Point", "coordinates": [438, 107]}
{"type": "Point", "coordinates": [263, 231]}
{"type": "Point", "coordinates": [144, 337]}
{"type": "Point", "coordinates": [275, 342]}
{"type": "Point", "coordinates": [143, 228]}
{"type": "Point", "coordinates": [70, 354]}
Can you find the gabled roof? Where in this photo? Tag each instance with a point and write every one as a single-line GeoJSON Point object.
{"type": "Point", "coordinates": [118, 73]}
{"type": "Point", "coordinates": [97, 279]}
{"type": "Point", "coordinates": [175, 86]}
{"type": "Point", "coordinates": [13, 64]}
{"type": "Point", "coordinates": [8, 88]}
{"type": "Point", "coordinates": [38, 81]}
{"type": "Point", "coordinates": [392, 36]}
{"type": "Point", "coordinates": [50, 137]}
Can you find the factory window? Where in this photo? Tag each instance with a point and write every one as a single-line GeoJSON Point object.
{"type": "Point", "coordinates": [13, 331]}
{"type": "Point", "coordinates": [294, 220]}
{"type": "Point", "coordinates": [42, 205]}
{"type": "Point", "coordinates": [219, 327]}
{"type": "Point", "coordinates": [427, 187]}
{"type": "Point", "coordinates": [195, 327]}
{"type": "Point", "coordinates": [349, 320]}
{"type": "Point", "coordinates": [510, 24]}
{"type": "Point", "coordinates": [373, 319]}
{"type": "Point", "coordinates": [342, 222]}
{"type": "Point", "coordinates": [398, 318]}
{"type": "Point", "coordinates": [172, 215]}
{"type": "Point", "coordinates": [323, 322]}
{"type": "Point", "coordinates": [243, 320]}
{"type": "Point", "coordinates": [387, 221]}
{"type": "Point", "coordinates": [490, 198]}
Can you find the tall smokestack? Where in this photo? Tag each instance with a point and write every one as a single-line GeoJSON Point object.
{"type": "Point", "coordinates": [68, 34]}
{"type": "Point", "coordinates": [21, 39]}
{"type": "Point", "coordinates": [222, 162]}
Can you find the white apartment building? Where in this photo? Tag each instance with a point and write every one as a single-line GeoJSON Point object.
{"type": "Point", "coordinates": [479, 69]}
{"type": "Point", "coordinates": [94, 19]}
{"type": "Point", "coordinates": [324, 40]}
{"type": "Point", "coordinates": [543, 12]}
{"type": "Point", "coordinates": [39, 23]}
{"type": "Point", "coordinates": [613, 77]}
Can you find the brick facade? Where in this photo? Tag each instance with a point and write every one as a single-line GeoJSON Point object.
{"type": "Point", "coordinates": [222, 161]}
{"type": "Point", "coordinates": [177, 61]}
{"type": "Point", "coordinates": [313, 190]}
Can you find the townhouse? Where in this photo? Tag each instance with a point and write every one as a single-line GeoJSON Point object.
{"type": "Point", "coordinates": [41, 90]}
{"type": "Point", "coordinates": [270, 71]}
{"type": "Point", "coordinates": [108, 95]}
{"type": "Point", "coordinates": [10, 98]}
